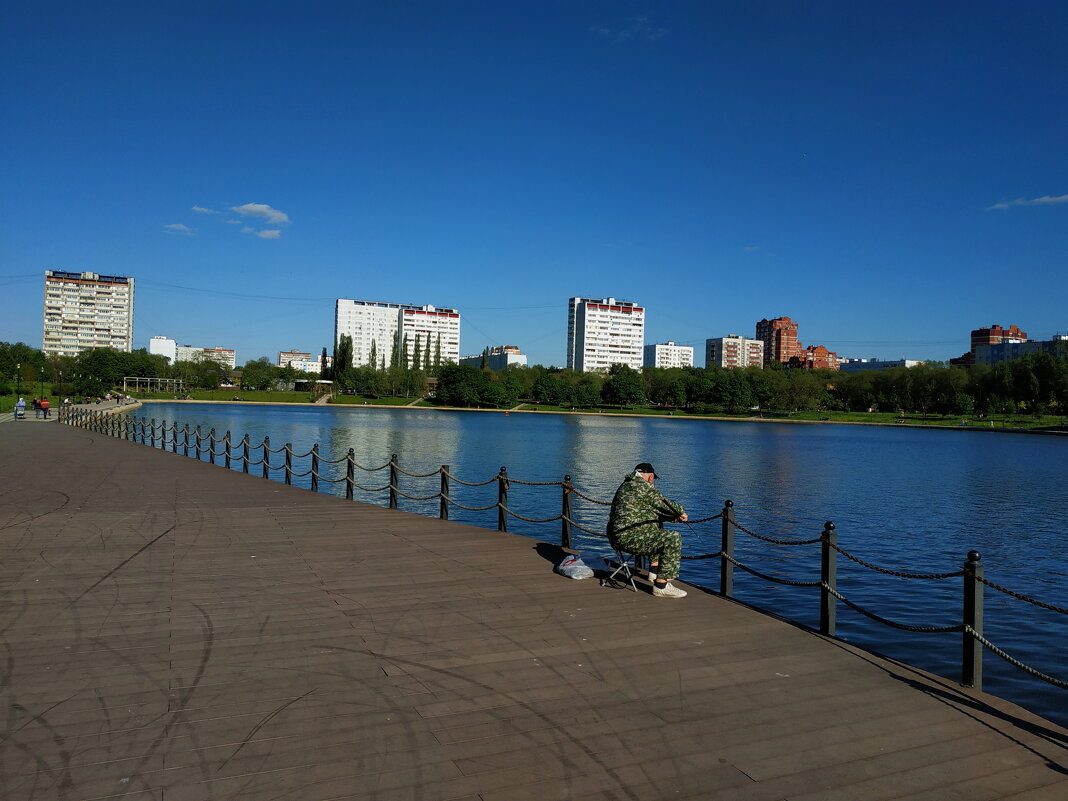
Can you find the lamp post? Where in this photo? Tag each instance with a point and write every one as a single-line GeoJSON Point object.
{"type": "Point", "coordinates": [18, 378]}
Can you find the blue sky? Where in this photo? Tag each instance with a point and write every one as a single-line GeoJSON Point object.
{"type": "Point", "coordinates": [890, 175]}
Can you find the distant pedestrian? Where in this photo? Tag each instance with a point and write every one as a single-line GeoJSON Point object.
{"type": "Point", "coordinates": [20, 409]}
{"type": "Point", "coordinates": [46, 408]}
{"type": "Point", "coordinates": [37, 408]}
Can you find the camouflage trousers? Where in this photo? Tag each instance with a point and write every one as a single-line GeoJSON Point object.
{"type": "Point", "coordinates": [660, 545]}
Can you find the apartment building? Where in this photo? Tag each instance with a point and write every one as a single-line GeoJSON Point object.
{"type": "Point", "coordinates": [604, 332]}
{"type": "Point", "coordinates": [860, 365]}
{"type": "Point", "coordinates": [192, 353]}
{"type": "Point", "coordinates": [164, 346]}
{"type": "Point", "coordinates": [815, 357]}
{"type": "Point", "coordinates": [372, 325]}
{"type": "Point", "coordinates": [86, 310]}
{"type": "Point", "coordinates": [499, 357]}
{"type": "Point", "coordinates": [734, 350]}
{"type": "Point", "coordinates": [668, 354]}
{"type": "Point", "coordinates": [780, 339]}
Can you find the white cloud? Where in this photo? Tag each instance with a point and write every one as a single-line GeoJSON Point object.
{"type": "Point", "coordinates": [263, 211]}
{"type": "Point", "coordinates": [247, 230]}
{"type": "Point", "coordinates": [637, 27]}
{"type": "Point", "coordinates": [178, 228]}
{"type": "Point", "coordinates": [1045, 200]}
{"type": "Point", "coordinates": [202, 210]}
{"type": "Point", "coordinates": [269, 234]}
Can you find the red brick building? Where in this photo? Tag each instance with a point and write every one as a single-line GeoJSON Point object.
{"type": "Point", "coordinates": [780, 339]}
{"type": "Point", "coordinates": [815, 357]}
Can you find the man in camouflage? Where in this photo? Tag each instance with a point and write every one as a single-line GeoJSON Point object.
{"type": "Point", "coordinates": [635, 525]}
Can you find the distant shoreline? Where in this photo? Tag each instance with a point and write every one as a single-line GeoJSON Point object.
{"type": "Point", "coordinates": [616, 414]}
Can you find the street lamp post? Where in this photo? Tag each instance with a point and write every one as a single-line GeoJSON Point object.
{"type": "Point", "coordinates": [18, 378]}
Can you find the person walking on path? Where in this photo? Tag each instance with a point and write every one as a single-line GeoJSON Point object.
{"type": "Point", "coordinates": [20, 409]}
{"type": "Point", "coordinates": [635, 525]}
{"type": "Point", "coordinates": [46, 408]}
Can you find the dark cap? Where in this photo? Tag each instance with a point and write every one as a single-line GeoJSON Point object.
{"type": "Point", "coordinates": [645, 467]}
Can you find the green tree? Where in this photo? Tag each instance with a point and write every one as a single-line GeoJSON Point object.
{"type": "Point", "coordinates": [417, 353]}
{"type": "Point", "coordinates": [623, 386]}
{"type": "Point", "coordinates": [342, 358]}
{"type": "Point", "coordinates": [374, 355]}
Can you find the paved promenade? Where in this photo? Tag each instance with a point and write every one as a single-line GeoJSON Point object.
{"type": "Point", "coordinates": [174, 631]}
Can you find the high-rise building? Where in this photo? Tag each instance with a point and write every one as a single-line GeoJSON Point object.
{"type": "Point", "coordinates": [375, 326]}
{"type": "Point", "coordinates": [83, 311]}
{"type": "Point", "coordinates": [992, 335]}
{"type": "Point", "coordinates": [668, 354]}
{"type": "Point", "coordinates": [780, 339]}
{"type": "Point", "coordinates": [815, 357]}
{"type": "Point", "coordinates": [299, 360]}
{"type": "Point", "coordinates": [164, 346]}
{"type": "Point", "coordinates": [192, 353]}
{"type": "Point", "coordinates": [734, 350]}
{"type": "Point", "coordinates": [604, 332]}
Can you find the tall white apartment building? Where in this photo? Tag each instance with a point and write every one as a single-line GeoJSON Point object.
{"type": "Point", "coordinates": [375, 323]}
{"type": "Point", "coordinates": [604, 332]}
{"type": "Point", "coordinates": [668, 354]}
{"type": "Point", "coordinates": [83, 311]}
{"type": "Point", "coordinates": [734, 351]}
{"type": "Point", "coordinates": [164, 346]}
{"type": "Point", "coordinates": [299, 360]}
{"type": "Point", "coordinates": [192, 353]}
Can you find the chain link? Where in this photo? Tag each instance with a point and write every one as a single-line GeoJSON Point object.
{"type": "Point", "coordinates": [1017, 595]}
{"type": "Point", "coordinates": [705, 519]}
{"type": "Point", "coordinates": [897, 573]}
{"type": "Point", "coordinates": [414, 497]}
{"type": "Point", "coordinates": [580, 527]}
{"type": "Point", "coordinates": [530, 519]}
{"type": "Point", "coordinates": [891, 623]}
{"type": "Point", "coordinates": [1014, 661]}
{"type": "Point", "coordinates": [591, 500]}
{"type": "Point", "coordinates": [766, 577]}
{"type": "Point", "coordinates": [537, 483]}
{"type": "Point", "coordinates": [416, 475]}
{"type": "Point", "coordinates": [469, 483]}
{"type": "Point", "coordinates": [704, 556]}
{"type": "Point", "coordinates": [371, 469]}
{"type": "Point", "coordinates": [369, 489]}
{"type": "Point", "coordinates": [468, 508]}
{"type": "Point", "coordinates": [772, 539]}
{"type": "Point", "coordinates": [327, 480]}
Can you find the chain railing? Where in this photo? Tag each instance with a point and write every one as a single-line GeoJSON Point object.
{"type": "Point", "coordinates": [970, 625]}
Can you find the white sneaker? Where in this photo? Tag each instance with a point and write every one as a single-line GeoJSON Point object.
{"type": "Point", "coordinates": [669, 590]}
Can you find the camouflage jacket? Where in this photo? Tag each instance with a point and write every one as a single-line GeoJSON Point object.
{"type": "Point", "coordinates": [639, 507]}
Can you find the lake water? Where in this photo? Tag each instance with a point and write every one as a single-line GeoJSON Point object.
{"type": "Point", "coordinates": [904, 499]}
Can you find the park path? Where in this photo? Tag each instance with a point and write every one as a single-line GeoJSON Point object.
{"type": "Point", "coordinates": [173, 630]}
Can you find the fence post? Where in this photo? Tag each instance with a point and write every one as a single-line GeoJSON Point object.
{"type": "Point", "coordinates": [972, 662]}
{"type": "Point", "coordinates": [828, 579]}
{"type": "Point", "coordinates": [502, 499]}
{"type": "Point", "coordinates": [266, 457]}
{"type": "Point", "coordinates": [315, 468]}
{"type": "Point", "coordinates": [186, 443]}
{"type": "Point", "coordinates": [226, 439]}
{"type": "Point", "coordinates": [197, 434]}
{"type": "Point", "coordinates": [153, 432]}
{"type": "Point", "coordinates": [289, 463]}
{"type": "Point", "coordinates": [443, 509]}
{"type": "Point", "coordinates": [726, 567]}
{"type": "Point", "coordinates": [565, 513]}
{"type": "Point", "coordinates": [211, 446]}
{"type": "Point", "coordinates": [244, 454]}
{"type": "Point", "coordinates": [393, 481]}
{"type": "Point", "coordinates": [350, 473]}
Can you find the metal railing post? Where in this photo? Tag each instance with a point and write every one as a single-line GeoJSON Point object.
{"type": "Point", "coordinates": [315, 468]}
{"type": "Point", "coordinates": [226, 439]}
{"type": "Point", "coordinates": [266, 457]}
{"type": "Point", "coordinates": [443, 507]}
{"type": "Point", "coordinates": [153, 432]}
{"type": "Point", "coordinates": [211, 446]}
{"type": "Point", "coordinates": [726, 566]}
{"type": "Point", "coordinates": [289, 463]}
{"type": "Point", "coordinates": [186, 443]}
{"type": "Point", "coordinates": [828, 579]}
{"type": "Point", "coordinates": [972, 661]}
{"type": "Point", "coordinates": [198, 438]}
{"type": "Point", "coordinates": [393, 481]}
{"type": "Point", "coordinates": [350, 473]}
{"type": "Point", "coordinates": [502, 499]}
{"type": "Point", "coordinates": [244, 454]}
{"type": "Point", "coordinates": [565, 513]}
